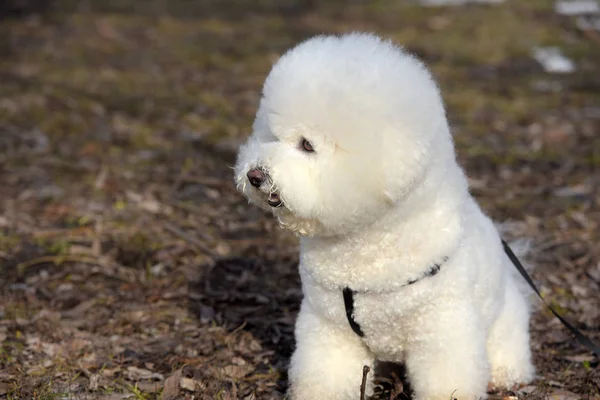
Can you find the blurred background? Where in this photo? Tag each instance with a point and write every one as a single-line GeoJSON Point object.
{"type": "Point", "coordinates": [131, 269]}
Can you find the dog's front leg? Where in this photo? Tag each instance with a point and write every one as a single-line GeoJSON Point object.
{"type": "Point", "coordinates": [447, 356]}
{"type": "Point", "coordinates": [328, 361]}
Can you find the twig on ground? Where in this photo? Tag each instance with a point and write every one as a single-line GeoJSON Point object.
{"type": "Point", "coordinates": [363, 385]}
{"type": "Point", "coordinates": [57, 260]}
{"type": "Point", "coordinates": [80, 233]}
{"type": "Point", "coordinates": [183, 235]}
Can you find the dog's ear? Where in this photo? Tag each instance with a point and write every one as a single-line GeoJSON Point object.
{"type": "Point", "coordinates": [409, 157]}
{"type": "Point", "coordinates": [404, 158]}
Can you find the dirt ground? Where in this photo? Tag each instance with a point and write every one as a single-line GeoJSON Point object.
{"type": "Point", "coordinates": [131, 269]}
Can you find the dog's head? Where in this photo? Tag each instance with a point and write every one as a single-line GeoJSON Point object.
{"type": "Point", "coordinates": [346, 127]}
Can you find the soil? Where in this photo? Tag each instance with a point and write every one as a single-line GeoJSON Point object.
{"type": "Point", "coordinates": [130, 268]}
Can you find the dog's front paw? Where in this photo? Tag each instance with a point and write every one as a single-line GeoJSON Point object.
{"type": "Point", "coordinates": [328, 361]}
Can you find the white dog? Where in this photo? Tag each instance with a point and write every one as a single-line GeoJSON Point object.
{"type": "Point", "coordinates": [351, 149]}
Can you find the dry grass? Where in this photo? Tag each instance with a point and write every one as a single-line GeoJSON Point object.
{"type": "Point", "coordinates": [127, 257]}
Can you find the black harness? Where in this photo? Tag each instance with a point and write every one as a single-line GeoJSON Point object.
{"type": "Point", "coordinates": [349, 296]}
{"type": "Point", "coordinates": [433, 270]}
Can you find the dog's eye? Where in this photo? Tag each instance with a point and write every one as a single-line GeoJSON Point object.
{"type": "Point", "coordinates": [306, 146]}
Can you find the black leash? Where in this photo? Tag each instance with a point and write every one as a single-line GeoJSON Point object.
{"type": "Point", "coordinates": [584, 340]}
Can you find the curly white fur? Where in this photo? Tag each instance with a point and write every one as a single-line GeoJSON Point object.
{"type": "Point", "coordinates": [378, 202]}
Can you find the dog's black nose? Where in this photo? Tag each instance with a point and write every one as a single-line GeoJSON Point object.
{"type": "Point", "coordinates": [256, 177]}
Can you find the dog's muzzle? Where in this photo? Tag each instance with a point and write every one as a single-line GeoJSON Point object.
{"type": "Point", "coordinates": [257, 177]}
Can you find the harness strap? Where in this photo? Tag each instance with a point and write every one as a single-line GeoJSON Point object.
{"type": "Point", "coordinates": [349, 304]}
{"type": "Point", "coordinates": [349, 297]}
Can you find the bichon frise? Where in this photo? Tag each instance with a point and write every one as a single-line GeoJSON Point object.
{"type": "Point", "coordinates": [351, 149]}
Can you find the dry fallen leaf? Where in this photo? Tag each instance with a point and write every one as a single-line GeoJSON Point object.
{"type": "Point", "coordinates": [171, 386]}
{"type": "Point", "coordinates": [237, 371]}
{"type": "Point", "coordinates": [580, 358]}
{"type": "Point", "coordinates": [563, 395]}
{"type": "Point", "coordinates": [110, 372]}
{"type": "Point", "coordinates": [5, 387]}
{"type": "Point", "coordinates": [117, 396]}
{"type": "Point", "coordinates": [149, 387]}
{"type": "Point", "coordinates": [191, 385]}
{"type": "Point", "coordinates": [527, 390]}
{"type": "Point", "coordinates": [135, 374]}
{"type": "Point", "coordinates": [93, 385]}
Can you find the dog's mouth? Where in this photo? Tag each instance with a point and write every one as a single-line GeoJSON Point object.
{"type": "Point", "coordinates": [274, 200]}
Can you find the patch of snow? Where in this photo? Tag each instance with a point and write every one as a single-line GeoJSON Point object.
{"type": "Point", "coordinates": [435, 3]}
{"type": "Point", "coordinates": [577, 7]}
{"type": "Point", "coordinates": [553, 61]}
